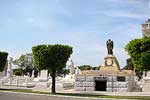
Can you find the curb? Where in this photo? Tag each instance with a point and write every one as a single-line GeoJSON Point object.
{"type": "Point", "coordinates": [78, 97]}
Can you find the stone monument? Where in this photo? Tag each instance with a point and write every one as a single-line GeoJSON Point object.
{"type": "Point", "coordinates": [43, 76]}
{"type": "Point", "coordinates": [108, 78]}
{"type": "Point", "coordinates": [77, 71]}
{"type": "Point", "coordinates": [146, 83]}
{"type": "Point", "coordinates": [71, 67]}
{"type": "Point", "coordinates": [32, 73]}
{"type": "Point", "coordinates": [9, 67]}
{"type": "Point", "coordinates": [110, 61]}
{"type": "Point", "coordinates": [41, 82]}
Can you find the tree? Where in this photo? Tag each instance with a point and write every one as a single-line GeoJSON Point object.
{"type": "Point", "coordinates": [18, 72]}
{"type": "Point", "coordinates": [129, 65]}
{"type": "Point", "coordinates": [20, 61]}
{"type": "Point", "coordinates": [63, 72]}
{"type": "Point", "coordinates": [51, 57]}
{"type": "Point", "coordinates": [85, 67]}
{"type": "Point", "coordinates": [25, 62]}
{"type": "Point", "coordinates": [3, 60]}
{"type": "Point", "coordinates": [96, 68]}
{"type": "Point", "coordinates": [139, 51]}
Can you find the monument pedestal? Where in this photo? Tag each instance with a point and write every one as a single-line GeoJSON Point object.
{"type": "Point", "coordinates": [43, 76]}
{"type": "Point", "coordinates": [42, 86]}
{"type": "Point", "coordinates": [110, 64]}
{"type": "Point", "coordinates": [146, 83]}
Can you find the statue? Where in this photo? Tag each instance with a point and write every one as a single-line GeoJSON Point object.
{"type": "Point", "coordinates": [110, 45]}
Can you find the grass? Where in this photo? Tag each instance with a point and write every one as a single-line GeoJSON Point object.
{"type": "Point", "coordinates": [79, 95]}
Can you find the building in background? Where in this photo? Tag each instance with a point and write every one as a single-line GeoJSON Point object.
{"type": "Point", "coordinates": [146, 28]}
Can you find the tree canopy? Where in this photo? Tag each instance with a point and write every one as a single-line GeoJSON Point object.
{"type": "Point", "coordinates": [85, 67]}
{"type": "Point", "coordinates": [139, 51]}
{"type": "Point", "coordinates": [129, 65]}
{"type": "Point", "coordinates": [51, 57]}
{"type": "Point", "coordinates": [3, 60]}
{"type": "Point", "coordinates": [25, 62]}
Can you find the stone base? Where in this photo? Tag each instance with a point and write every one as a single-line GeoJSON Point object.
{"type": "Point", "coordinates": [146, 84]}
{"type": "Point", "coordinates": [110, 63]}
{"type": "Point", "coordinates": [42, 86]}
{"type": "Point", "coordinates": [87, 83]}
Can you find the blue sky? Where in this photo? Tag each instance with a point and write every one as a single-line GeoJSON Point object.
{"type": "Point", "coordinates": [83, 24]}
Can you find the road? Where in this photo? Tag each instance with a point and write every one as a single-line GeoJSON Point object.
{"type": "Point", "coordinates": [21, 96]}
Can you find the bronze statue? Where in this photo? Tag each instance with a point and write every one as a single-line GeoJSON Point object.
{"type": "Point", "coordinates": [110, 46]}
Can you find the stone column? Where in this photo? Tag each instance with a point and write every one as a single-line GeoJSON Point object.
{"type": "Point", "coordinates": [9, 67]}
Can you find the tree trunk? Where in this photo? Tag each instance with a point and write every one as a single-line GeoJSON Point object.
{"type": "Point", "coordinates": [53, 82]}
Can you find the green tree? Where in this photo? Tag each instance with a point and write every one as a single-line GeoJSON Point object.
{"type": "Point", "coordinates": [96, 68]}
{"type": "Point", "coordinates": [129, 65]}
{"type": "Point", "coordinates": [20, 60]}
{"type": "Point", "coordinates": [63, 72]}
{"type": "Point", "coordinates": [51, 57]}
{"type": "Point", "coordinates": [85, 67]}
{"type": "Point", "coordinates": [3, 60]}
{"type": "Point", "coordinates": [18, 72]}
{"type": "Point", "coordinates": [139, 51]}
{"type": "Point", "coordinates": [25, 62]}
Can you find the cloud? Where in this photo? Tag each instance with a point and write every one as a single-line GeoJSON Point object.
{"type": "Point", "coordinates": [135, 9]}
{"type": "Point", "coordinates": [85, 25]}
{"type": "Point", "coordinates": [122, 14]}
{"type": "Point", "coordinates": [135, 2]}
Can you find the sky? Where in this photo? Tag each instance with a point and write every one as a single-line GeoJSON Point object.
{"type": "Point", "coordinates": [85, 25]}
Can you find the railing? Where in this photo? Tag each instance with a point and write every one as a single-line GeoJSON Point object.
{"type": "Point", "coordinates": [16, 81]}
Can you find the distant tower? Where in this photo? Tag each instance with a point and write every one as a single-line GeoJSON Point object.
{"type": "Point", "coordinates": [146, 29]}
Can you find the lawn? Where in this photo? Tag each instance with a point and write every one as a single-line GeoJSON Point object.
{"type": "Point", "coordinates": [78, 95]}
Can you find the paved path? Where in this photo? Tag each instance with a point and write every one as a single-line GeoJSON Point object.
{"type": "Point", "coordinates": [22, 96]}
{"type": "Point", "coordinates": [87, 92]}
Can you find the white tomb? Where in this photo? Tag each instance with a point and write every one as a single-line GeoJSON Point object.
{"type": "Point", "coordinates": [146, 83]}
{"type": "Point", "coordinates": [43, 75]}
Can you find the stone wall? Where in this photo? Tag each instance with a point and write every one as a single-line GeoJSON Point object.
{"type": "Point", "coordinates": [84, 83]}
{"type": "Point", "coordinates": [117, 86]}
{"type": "Point", "coordinates": [87, 83]}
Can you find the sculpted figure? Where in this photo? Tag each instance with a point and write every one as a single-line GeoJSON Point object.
{"type": "Point", "coordinates": [110, 46]}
